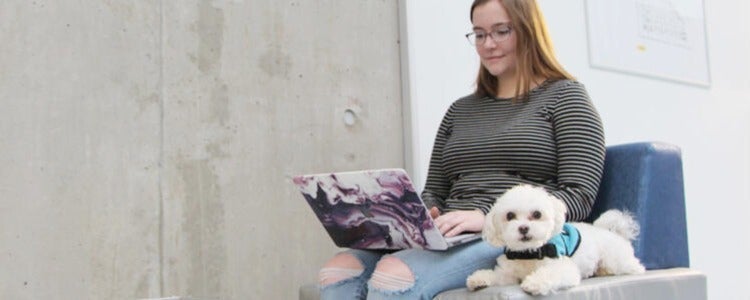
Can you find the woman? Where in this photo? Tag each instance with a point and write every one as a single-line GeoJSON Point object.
{"type": "Point", "coordinates": [527, 122]}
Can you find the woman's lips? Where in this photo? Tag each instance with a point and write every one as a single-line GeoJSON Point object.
{"type": "Point", "coordinates": [494, 58]}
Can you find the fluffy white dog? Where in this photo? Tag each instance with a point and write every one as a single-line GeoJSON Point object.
{"type": "Point", "coordinates": [543, 253]}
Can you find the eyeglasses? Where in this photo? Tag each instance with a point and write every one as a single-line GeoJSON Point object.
{"type": "Point", "coordinates": [498, 35]}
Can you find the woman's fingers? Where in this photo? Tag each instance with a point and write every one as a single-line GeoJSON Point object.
{"type": "Point", "coordinates": [456, 230]}
{"type": "Point", "coordinates": [447, 222]}
{"type": "Point", "coordinates": [456, 222]}
{"type": "Point", "coordinates": [434, 212]}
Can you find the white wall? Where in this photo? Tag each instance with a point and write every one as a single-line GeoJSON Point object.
{"type": "Point", "coordinates": [709, 124]}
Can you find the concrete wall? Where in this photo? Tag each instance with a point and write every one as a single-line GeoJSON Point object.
{"type": "Point", "coordinates": [146, 146]}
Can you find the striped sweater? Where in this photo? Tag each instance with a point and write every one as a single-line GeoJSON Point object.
{"type": "Point", "coordinates": [484, 146]}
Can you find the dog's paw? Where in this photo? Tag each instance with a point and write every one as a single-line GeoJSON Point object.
{"type": "Point", "coordinates": [479, 280]}
{"type": "Point", "coordinates": [537, 287]}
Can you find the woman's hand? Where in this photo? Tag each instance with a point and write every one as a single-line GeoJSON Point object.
{"type": "Point", "coordinates": [456, 222]}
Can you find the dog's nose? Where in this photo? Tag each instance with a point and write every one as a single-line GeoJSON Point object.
{"type": "Point", "coordinates": [523, 229]}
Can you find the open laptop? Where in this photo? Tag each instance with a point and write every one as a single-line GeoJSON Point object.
{"type": "Point", "coordinates": [374, 209]}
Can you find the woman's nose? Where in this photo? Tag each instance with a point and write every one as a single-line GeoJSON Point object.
{"type": "Point", "coordinates": [488, 43]}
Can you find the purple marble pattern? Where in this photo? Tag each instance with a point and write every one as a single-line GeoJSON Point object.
{"type": "Point", "coordinates": [370, 210]}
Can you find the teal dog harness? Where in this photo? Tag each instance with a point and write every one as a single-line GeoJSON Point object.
{"type": "Point", "coordinates": [563, 244]}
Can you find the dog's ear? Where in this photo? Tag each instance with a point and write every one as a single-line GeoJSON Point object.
{"type": "Point", "coordinates": [490, 232]}
{"type": "Point", "coordinates": [560, 212]}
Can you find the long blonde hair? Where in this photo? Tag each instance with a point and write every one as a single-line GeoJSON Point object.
{"type": "Point", "coordinates": [535, 54]}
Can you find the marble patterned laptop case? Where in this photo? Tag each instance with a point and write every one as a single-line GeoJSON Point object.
{"type": "Point", "coordinates": [374, 209]}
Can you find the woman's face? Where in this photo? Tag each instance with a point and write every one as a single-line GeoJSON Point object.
{"type": "Point", "coordinates": [491, 20]}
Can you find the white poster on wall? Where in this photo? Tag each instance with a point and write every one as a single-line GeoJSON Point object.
{"type": "Point", "coordinates": [663, 39]}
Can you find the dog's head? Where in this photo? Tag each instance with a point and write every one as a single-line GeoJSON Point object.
{"type": "Point", "coordinates": [524, 218]}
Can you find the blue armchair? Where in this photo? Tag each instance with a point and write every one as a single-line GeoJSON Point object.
{"type": "Point", "coordinates": [645, 179]}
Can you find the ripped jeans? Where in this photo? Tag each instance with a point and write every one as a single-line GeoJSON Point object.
{"type": "Point", "coordinates": [434, 272]}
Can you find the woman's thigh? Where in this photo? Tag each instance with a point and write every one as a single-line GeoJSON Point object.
{"type": "Point", "coordinates": [354, 287]}
{"type": "Point", "coordinates": [437, 271]}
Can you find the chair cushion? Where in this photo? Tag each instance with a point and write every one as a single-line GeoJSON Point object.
{"type": "Point", "coordinates": [677, 283]}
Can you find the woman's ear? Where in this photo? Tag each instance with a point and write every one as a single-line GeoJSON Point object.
{"type": "Point", "coordinates": [490, 232]}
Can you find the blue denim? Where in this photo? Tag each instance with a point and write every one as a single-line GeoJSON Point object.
{"type": "Point", "coordinates": [434, 272]}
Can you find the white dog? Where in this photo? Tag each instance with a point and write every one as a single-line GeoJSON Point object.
{"type": "Point", "coordinates": [543, 253]}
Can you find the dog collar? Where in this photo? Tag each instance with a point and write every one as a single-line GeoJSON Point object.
{"type": "Point", "coordinates": [563, 244]}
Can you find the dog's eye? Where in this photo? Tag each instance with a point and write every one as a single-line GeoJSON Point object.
{"type": "Point", "coordinates": [536, 215]}
{"type": "Point", "coordinates": [510, 216]}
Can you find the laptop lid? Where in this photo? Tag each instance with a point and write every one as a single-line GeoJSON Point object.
{"type": "Point", "coordinates": [373, 209]}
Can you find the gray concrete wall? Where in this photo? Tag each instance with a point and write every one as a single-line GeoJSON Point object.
{"type": "Point", "coordinates": [146, 146]}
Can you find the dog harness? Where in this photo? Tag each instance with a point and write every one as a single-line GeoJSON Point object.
{"type": "Point", "coordinates": [563, 244]}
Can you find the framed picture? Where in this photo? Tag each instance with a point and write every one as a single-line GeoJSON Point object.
{"type": "Point", "coordinates": [664, 39]}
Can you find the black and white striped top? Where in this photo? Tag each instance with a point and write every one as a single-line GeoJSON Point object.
{"type": "Point", "coordinates": [485, 146]}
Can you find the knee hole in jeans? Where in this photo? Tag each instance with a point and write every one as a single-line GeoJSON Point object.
{"type": "Point", "coordinates": [392, 274]}
{"type": "Point", "coordinates": [341, 267]}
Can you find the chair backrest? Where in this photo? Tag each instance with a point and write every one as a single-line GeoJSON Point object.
{"type": "Point", "coordinates": [646, 179]}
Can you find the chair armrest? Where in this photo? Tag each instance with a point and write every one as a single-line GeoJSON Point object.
{"type": "Point", "coordinates": [646, 179]}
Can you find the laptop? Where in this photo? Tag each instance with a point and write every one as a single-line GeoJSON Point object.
{"type": "Point", "coordinates": [374, 209]}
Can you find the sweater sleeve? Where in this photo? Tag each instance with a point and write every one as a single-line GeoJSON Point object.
{"type": "Point", "coordinates": [580, 149]}
{"type": "Point", "coordinates": [437, 186]}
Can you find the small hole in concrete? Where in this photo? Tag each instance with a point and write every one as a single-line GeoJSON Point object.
{"type": "Point", "coordinates": [350, 117]}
